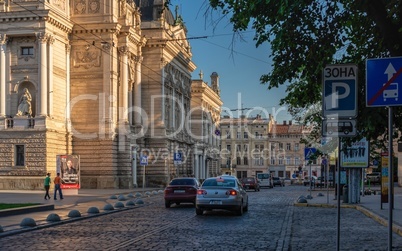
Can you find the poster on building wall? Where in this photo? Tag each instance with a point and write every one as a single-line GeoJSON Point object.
{"type": "Point", "coordinates": [69, 168]}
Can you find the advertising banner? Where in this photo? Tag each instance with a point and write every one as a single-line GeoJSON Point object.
{"type": "Point", "coordinates": [356, 155]}
{"type": "Point", "coordinates": [69, 168]}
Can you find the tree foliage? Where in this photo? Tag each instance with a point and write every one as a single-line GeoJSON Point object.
{"type": "Point", "coordinates": [307, 35]}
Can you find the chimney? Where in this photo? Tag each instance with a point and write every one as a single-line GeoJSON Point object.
{"type": "Point", "coordinates": [290, 122]}
{"type": "Point", "coordinates": [284, 122]}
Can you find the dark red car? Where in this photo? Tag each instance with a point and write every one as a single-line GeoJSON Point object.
{"type": "Point", "coordinates": [181, 190]}
{"type": "Point", "coordinates": [250, 183]}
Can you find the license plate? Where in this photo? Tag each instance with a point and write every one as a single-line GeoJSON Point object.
{"type": "Point", "coordinates": [215, 202]}
{"type": "Point", "coordinates": [179, 191]}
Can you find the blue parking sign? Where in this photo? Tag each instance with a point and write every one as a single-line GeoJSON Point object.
{"type": "Point", "coordinates": [144, 160]}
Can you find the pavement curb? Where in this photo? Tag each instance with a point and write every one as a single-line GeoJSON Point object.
{"type": "Point", "coordinates": [25, 210]}
{"type": "Point", "coordinates": [395, 228]}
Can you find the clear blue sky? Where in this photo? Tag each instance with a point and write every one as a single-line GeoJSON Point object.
{"type": "Point", "coordinates": [239, 69]}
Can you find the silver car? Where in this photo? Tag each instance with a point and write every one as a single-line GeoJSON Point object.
{"type": "Point", "coordinates": [222, 192]}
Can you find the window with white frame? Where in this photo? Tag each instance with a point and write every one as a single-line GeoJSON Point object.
{"type": "Point", "coordinates": [288, 160]}
{"type": "Point", "coordinates": [238, 135]}
{"type": "Point", "coordinates": [297, 147]}
{"type": "Point", "coordinates": [280, 161]}
{"type": "Point", "coordinates": [297, 161]}
{"type": "Point", "coordinates": [238, 148]}
{"type": "Point", "coordinates": [272, 160]}
{"type": "Point", "coordinates": [27, 51]}
{"type": "Point", "coordinates": [288, 147]}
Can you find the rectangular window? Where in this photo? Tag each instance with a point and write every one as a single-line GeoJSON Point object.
{"type": "Point", "coordinates": [280, 160]}
{"type": "Point", "coordinates": [297, 161]}
{"type": "Point", "coordinates": [245, 160]}
{"type": "Point", "coordinates": [245, 148]}
{"type": "Point", "coordinates": [272, 146]}
{"type": "Point", "coordinates": [288, 147]}
{"type": "Point", "coordinates": [19, 155]}
{"type": "Point", "coordinates": [228, 147]}
{"type": "Point", "coordinates": [238, 135]}
{"type": "Point", "coordinates": [245, 135]}
{"type": "Point", "coordinates": [238, 161]}
{"type": "Point", "coordinates": [287, 160]}
{"type": "Point", "coordinates": [27, 51]}
{"type": "Point", "coordinates": [296, 147]}
{"type": "Point", "coordinates": [272, 160]}
{"type": "Point", "coordinates": [227, 134]}
{"type": "Point", "coordinates": [280, 146]}
{"type": "Point", "coordinates": [238, 148]}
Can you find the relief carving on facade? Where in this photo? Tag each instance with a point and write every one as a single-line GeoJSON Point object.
{"type": "Point", "coordinates": [87, 58]}
{"type": "Point", "coordinates": [80, 7]}
{"type": "Point", "coordinates": [60, 4]}
{"type": "Point", "coordinates": [94, 6]}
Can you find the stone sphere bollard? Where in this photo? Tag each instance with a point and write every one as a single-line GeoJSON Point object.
{"type": "Point", "coordinates": [148, 193]}
{"type": "Point", "coordinates": [139, 201]}
{"type": "Point", "coordinates": [138, 194]}
{"type": "Point", "coordinates": [119, 204]}
{"type": "Point", "coordinates": [301, 200]}
{"type": "Point", "coordinates": [53, 217]}
{"type": "Point", "coordinates": [320, 195]}
{"type": "Point", "coordinates": [28, 222]}
{"type": "Point", "coordinates": [121, 198]}
{"type": "Point", "coordinates": [93, 210]}
{"type": "Point", "coordinates": [154, 192]}
{"type": "Point", "coordinates": [113, 197]}
{"type": "Point", "coordinates": [74, 214]}
{"type": "Point", "coordinates": [130, 203]}
{"type": "Point", "coordinates": [108, 207]}
{"type": "Point", "coordinates": [130, 195]}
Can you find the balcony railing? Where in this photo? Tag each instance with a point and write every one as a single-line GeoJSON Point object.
{"type": "Point", "coordinates": [19, 123]}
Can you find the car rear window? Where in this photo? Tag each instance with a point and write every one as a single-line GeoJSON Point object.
{"type": "Point", "coordinates": [219, 182]}
{"type": "Point", "coordinates": [182, 182]}
{"type": "Point", "coordinates": [248, 180]}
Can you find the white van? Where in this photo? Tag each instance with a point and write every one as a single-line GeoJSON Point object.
{"type": "Point", "coordinates": [265, 180]}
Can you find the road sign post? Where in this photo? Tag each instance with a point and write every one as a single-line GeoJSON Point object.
{"type": "Point", "coordinates": [383, 76]}
{"type": "Point", "coordinates": [143, 162]}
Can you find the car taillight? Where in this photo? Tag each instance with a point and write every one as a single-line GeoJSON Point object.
{"type": "Point", "coordinates": [168, 190]}
{"type": "Point", "coordinates": [201, 192]}
{"type": "Point", "coordinates": [231, 192]}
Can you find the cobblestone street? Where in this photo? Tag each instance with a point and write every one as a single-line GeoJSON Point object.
{"type": "Point", "coordinates": [272, 223]}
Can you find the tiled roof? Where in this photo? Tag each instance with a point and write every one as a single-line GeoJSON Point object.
{"type": "Point", "coordinates": [285, 129]}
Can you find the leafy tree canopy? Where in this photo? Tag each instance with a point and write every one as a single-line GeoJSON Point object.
{"type": "Point", "coordinates": [307, 35]}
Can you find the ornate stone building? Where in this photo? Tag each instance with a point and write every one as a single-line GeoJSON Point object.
{"type": "Point", "coordinates": [205, 113]}
{"type": "Point", "coordinates": [108, 80]}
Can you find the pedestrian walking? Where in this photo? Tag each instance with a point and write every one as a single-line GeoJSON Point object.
{"type": "Point", "coordinates": [57, 187]}
{"type": "Point", "coordinates": [47, 186]}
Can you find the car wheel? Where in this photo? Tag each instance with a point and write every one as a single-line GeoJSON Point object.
{"type": "Point", "coordinates": [167, 204]}
{"type": "Point", "coordinates": [240, 210]}
{"type": "Point", "coordinates": [198, 211]}
{"type": "Point", "coordinates": [246, 207]}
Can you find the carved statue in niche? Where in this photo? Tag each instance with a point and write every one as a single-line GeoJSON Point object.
{"type": "Point", "coordinates": [24, 107]}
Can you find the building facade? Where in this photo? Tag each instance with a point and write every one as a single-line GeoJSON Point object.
{"type": "Point", "coordinates": [206, 112]}
{"type": "Point", "coordinates": [254, 145]}
{"type": "Point", "coordinates": [106, 80]}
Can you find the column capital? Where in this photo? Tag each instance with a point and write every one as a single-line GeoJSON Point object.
{"type": "Point", "coordinates": [124, 50]}
{"type": "Point", "coordinates": [42, 37]}
{"type": "Point", "coordinates": [3, 38]}
{"type": "Point", "coordinates": [51, 39]}
{"type": "Point", "coordinates": [105, 46]}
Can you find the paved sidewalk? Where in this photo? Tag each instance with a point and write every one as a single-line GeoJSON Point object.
{"type": "Point", "coordinates": [370, 205]}
{"type": "Point", "coordinates": [80, 200]}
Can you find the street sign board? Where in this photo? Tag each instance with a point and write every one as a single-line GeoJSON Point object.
{"type": "Point", "coordinates": [356, 155]}
{"type": "Point", "coordinates": [309, 152]}
{"type": "Point", "coordinates": [177, 158]}
{"type": "Point", "coordinates": [383, 77]}
{"type": "Point", "coordinates": [144, 160]}
{"type": "Point", "coordinates": [338, 128]}
{"type": "Point", "coordinates": [340, 91]}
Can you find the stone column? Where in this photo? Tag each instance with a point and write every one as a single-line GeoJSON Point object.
{"type": "Point", "coordinates": [3, 46]}
{"type": "Point", "coordinates": [124, 82]}
{"type": "Point", "coordinates": [50, 78]}
{"type": "Point", "coordinates": [68, 90]}
{"type": "Point", "coordinates": [137, 91]}
{"type": "Point", "coordinates": [196, 167]}
{"type": "Point", "coordinates": [42, 38]}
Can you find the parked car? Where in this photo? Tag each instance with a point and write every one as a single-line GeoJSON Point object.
{"type": "Point", "coordinates": [265, 180]}
{"type": "Point", "coordinates": [373, 178]}
{"type": "Point", "coordinates": [181, 190]}
{"type": "Point", "coordinates": [222, 192]}
{"type": "Point", "coordinates": [250, 183]}
{"type": "Point", "coordinates": [278, 181]}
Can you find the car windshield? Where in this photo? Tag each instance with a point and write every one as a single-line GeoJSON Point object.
{"type": "Point", "coordinates": [182, 182]}
{"type": "Point", "coordinates": [219, 182]}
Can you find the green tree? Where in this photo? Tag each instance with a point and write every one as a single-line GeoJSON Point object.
{"type": "Point", "coordinates": [307, 35]}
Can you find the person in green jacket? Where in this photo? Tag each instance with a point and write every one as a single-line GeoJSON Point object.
{"type": "Point", "coordinates": [47, 186]}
